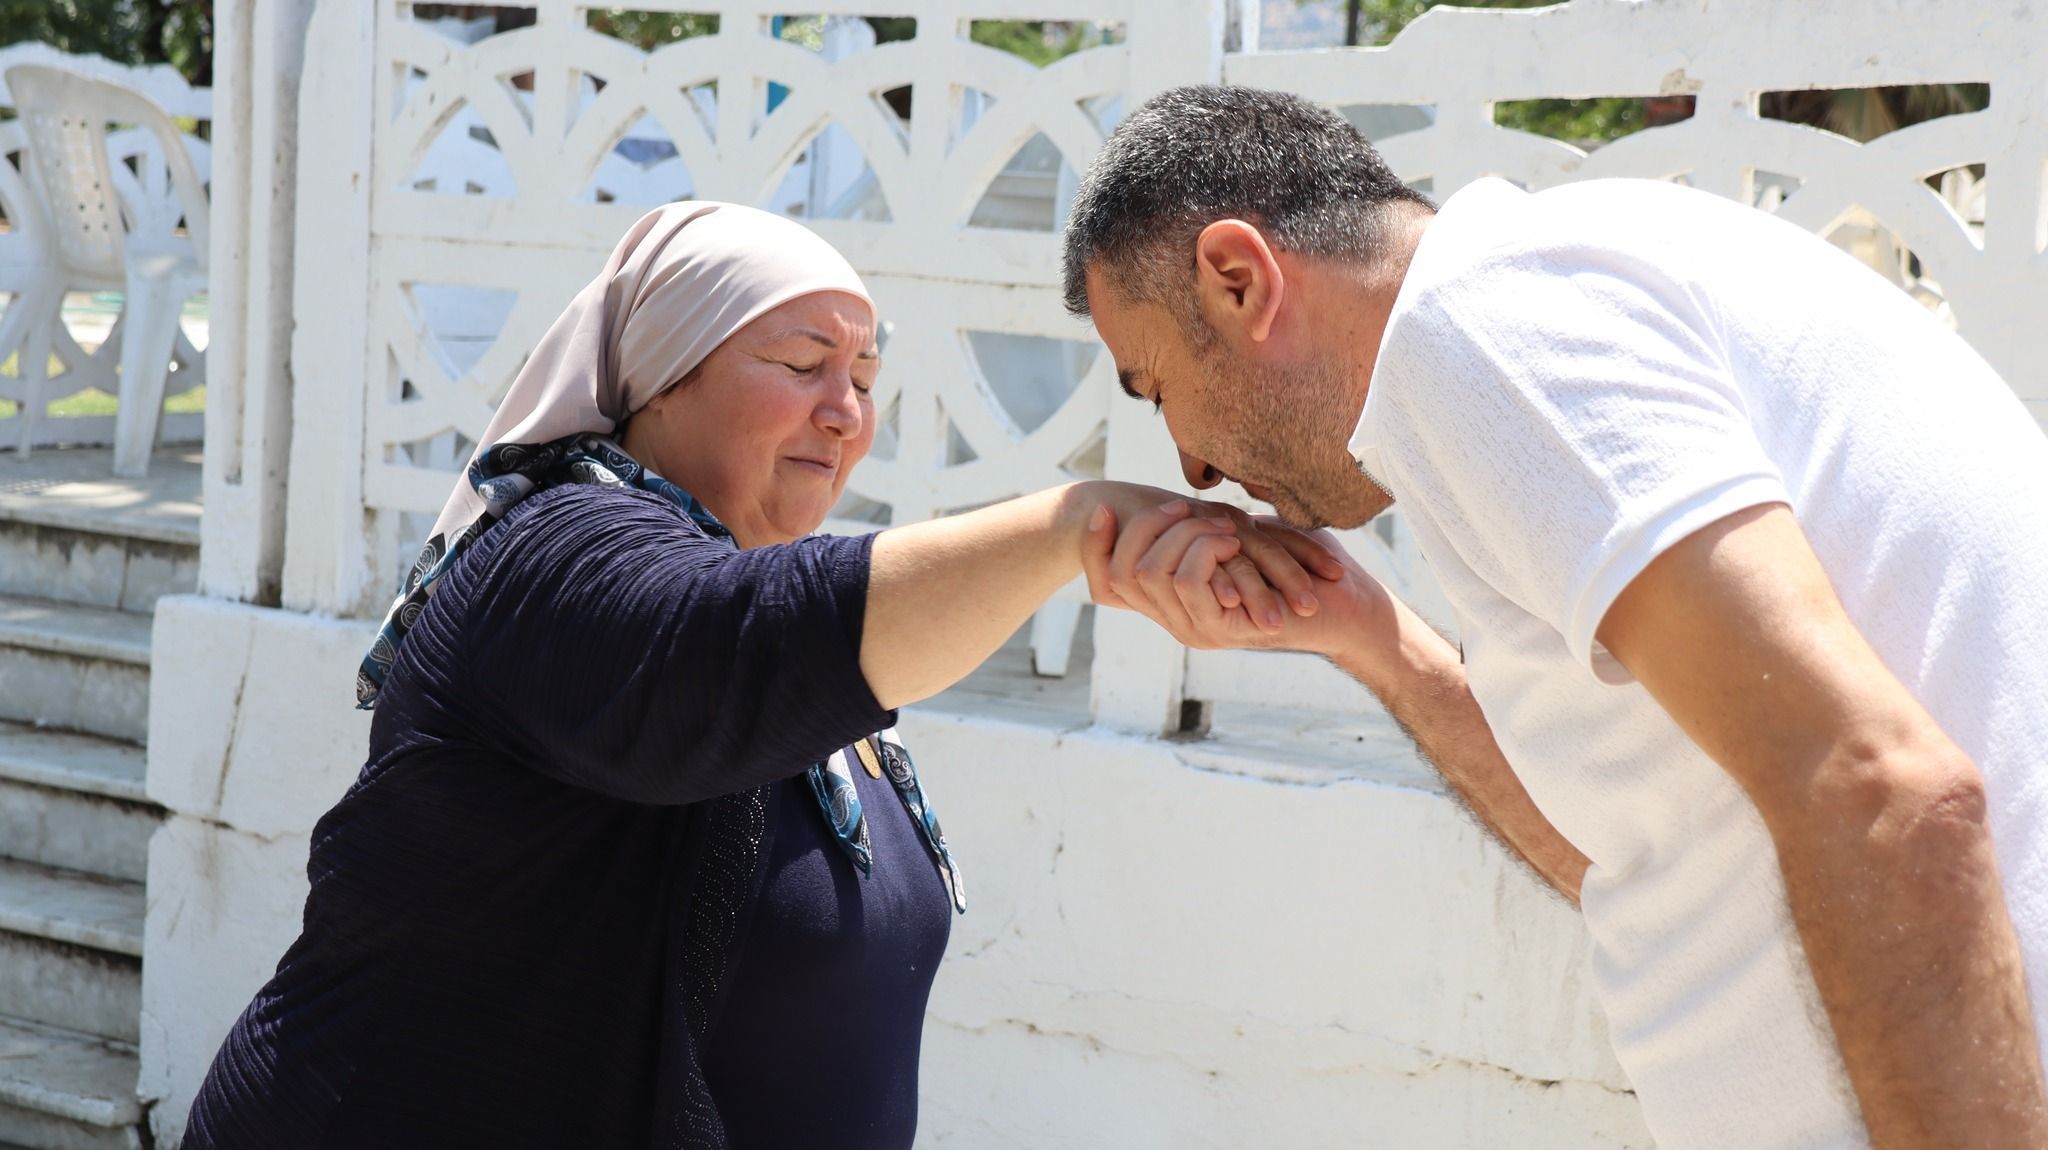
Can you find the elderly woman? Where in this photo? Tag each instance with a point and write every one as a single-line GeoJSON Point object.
{"type": "Point", "coordinates": [637, 858]}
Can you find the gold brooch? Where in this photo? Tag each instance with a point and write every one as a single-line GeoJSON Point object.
{"type": "Point", "coordinates": [866, 750]}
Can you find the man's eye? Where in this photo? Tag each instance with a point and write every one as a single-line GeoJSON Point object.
{"type": "Point", "coordinates": [800, 369]}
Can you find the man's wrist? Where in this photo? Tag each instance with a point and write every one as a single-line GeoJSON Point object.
{"type": "Point", "coordinates": [1390, 652]}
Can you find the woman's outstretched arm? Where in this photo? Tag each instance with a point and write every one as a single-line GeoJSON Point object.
{"type": "Point", "coordinates": [945, 593]}
{"type": "Point", "coordinates": [609, 643]}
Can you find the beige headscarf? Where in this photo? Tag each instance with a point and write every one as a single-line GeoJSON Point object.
{"type": "Point", "coordinates": [681, 282]}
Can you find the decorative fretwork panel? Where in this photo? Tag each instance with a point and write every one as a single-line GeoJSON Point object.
{"type": "Point", "coordinates": [506, 165]}
{"type": "Point", "coordinates": [501, 166]}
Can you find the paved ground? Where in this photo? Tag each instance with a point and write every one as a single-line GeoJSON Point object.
{"type": "Point", "coordinates": [75, 487]}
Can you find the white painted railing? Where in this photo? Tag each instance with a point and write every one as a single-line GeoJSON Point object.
{"type": "Point", "coordinates": [33, 288]}
{"type": "Point", "coordinates": [990, 389]}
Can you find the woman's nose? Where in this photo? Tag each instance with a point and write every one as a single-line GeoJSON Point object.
{"type": "Point", "coordinates": [839, 411]}
{"type": "Point", "coordinates": [1200, 475]}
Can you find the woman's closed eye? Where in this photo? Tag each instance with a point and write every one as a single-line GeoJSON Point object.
{"type": "Point", "coordinates": [805, 371]}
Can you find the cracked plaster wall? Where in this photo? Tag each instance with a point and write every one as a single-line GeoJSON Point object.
{"type": "Point", "coordinates": [1177, 954]}
{"type": "Point", "coordinates": [253, 735]}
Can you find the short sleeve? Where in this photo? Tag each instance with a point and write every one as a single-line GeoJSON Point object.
{"type": "Point", "coordinates": [1563, 418]}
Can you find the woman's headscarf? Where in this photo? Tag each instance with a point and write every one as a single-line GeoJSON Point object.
{"type": "Point", "coordinates": [681, 282]}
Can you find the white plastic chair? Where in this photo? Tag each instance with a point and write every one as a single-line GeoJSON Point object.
{"type": "Point", "coordinates": [97, 245]}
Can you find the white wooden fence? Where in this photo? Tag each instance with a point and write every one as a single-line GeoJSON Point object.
{"type": "Point", "coordinates": [990, 389]}
{"type": "Point", "coordinates": [32, 285]}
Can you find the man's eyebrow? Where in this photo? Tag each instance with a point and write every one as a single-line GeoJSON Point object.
{"type": "Point", "coordinates": [1124, 378]}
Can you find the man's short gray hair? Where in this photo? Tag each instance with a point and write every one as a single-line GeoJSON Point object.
{"type": "Point", "coordinates": [1191, 156]}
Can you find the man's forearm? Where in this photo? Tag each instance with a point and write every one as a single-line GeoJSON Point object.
{"type": "Point", "coordinates": [1895, 890]}
{"type": "Point", "coordinates": [1422, 684]}
{"type": "Point", "coordinates": [1878, 818]}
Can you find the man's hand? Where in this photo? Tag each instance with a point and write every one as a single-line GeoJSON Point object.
{"type": "Point", "coordinates": [1215, 577]}
{"type": "Point", "coordinates": [1878, 818]}
{"type": "Point", "coordinates": [1201, 579]}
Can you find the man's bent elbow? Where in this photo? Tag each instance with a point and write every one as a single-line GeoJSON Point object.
{"type": "Point", "coordinates": [1931, 801]}
{"type": "Point", "coordinates": [1958, 798]}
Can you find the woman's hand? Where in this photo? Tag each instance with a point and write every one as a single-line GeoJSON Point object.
{"type": "Point", "coordinates": [944, 594]}
{"type": "Point", "coordinates": [1216, 577]}
{"type": "Point", "coordinates": [1264, 573]}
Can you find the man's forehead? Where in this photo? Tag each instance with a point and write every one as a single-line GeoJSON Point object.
{"type": "Point", "coordinates": [1128, 330]}
{"type": "Point", "coordinates": [1131, 352]}
{"type": "Point", "coordinates": [1129, 378]}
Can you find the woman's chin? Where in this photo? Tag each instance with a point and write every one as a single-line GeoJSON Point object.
{"type": "Point", "coordinates": [796, 526]}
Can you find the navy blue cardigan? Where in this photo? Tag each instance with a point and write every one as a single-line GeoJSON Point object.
{"type": "Point", "coordinates": [525, 913]}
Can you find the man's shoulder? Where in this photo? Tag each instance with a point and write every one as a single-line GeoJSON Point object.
{"type": "Point", "coordinates": [1625, 227]}
{"type": "Point", "coordinates": [1537, 267]}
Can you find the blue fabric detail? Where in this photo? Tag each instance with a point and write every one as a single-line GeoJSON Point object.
{"type": "Point", "coordinates": [902, 772]}
{"type": "Point", "coordinates": [832, 783]}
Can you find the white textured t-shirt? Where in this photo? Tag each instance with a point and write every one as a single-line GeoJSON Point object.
{"type": "Point", "coordinates": [1575, 380]}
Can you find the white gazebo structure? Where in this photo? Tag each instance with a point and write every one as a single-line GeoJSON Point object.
{"type": "Point", "coordinates": [1218, 900]}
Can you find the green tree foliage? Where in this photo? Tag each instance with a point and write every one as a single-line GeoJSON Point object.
{"type": "Point", "coordinates": [174, 32]}
{"type": "Point", "coordinates": [1037, 42]}
{"type": "Point", "coordinates": [1859, 113]}
{"type": "Point", "coordinates": [1864, 114]}
{"type": "Point", "coordinates": [1382, 20]}
{"type": "Point", "coordinates": [650, 30]}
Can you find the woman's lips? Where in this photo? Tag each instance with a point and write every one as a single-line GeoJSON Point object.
{"type": "Point", "coordinates": [822, 467]}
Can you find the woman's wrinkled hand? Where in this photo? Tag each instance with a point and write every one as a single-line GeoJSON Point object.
{"type": "Point", "coordinates": [1215, 577]}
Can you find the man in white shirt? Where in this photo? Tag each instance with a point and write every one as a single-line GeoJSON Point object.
{"type": "Point", "coordinates": [1750, 560]}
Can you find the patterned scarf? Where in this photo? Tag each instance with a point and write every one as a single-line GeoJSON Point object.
{"type": "Point", "coordinates": [506, 473]}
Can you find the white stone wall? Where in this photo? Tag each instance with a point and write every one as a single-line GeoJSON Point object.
{"type": "Point", "coordinates": [1169, 948]}
{"type": "Point", "coordinates": [252, 736]}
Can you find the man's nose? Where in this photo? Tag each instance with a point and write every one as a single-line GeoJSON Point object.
{"type": "Point", "coordinates": [1200, 475]}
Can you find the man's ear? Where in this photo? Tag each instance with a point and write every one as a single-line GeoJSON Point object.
{"type": "Point", "coordinates": [1238, 283]}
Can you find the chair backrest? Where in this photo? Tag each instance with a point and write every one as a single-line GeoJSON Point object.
{"type": "Point", "coordinates": [65, 117]}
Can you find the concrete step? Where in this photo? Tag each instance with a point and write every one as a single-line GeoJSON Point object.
{"type": "Point", "coordinates": [60, 1090]}
{"type": "Point", "coordinates": [65, 761]}
{"type": "Point", "coordinates": [74, 801]}
{"type": "Point", "coordinates": [71, 565]}
{"type": "Point", "coordinates": [73, 667]}
{"type": "Point", "coordinates": [71, 950]}
{"type": "Point", "coordinates": [72, 533]}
